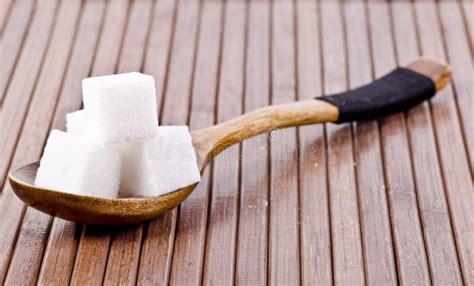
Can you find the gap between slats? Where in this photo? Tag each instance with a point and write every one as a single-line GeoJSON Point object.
{"type": "Point", "coordinates": [11, 43]}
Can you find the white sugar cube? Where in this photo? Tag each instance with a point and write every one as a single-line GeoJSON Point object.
{"type": "Point", "coordinates": [160, 165]}
{"type": "Point", "coordinates": [69, 164]}
{"type": "Point", "coordinates": [76, 123]}
{"type": "Point", "coordinates": [121, 107]}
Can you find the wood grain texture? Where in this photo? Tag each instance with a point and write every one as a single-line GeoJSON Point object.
{"type": "Point", "coordinates": [224, 206]}
{"type": "Point", "coordinates": [344, 215]}
{"type": "Point", "coordinates": [284, 251]}
{"type": "Point", "coordinates": [442, 256]}
{"type": "Point", "coordinates": [407, 234]}
{"type": "Point", "coordinates": [5, 7]}
{"type": "Point", "coordinates": [379, 260]}
{"type": "Point", "coordinates": [209, 142]}
{"type": "Point", "coordinates": [455, 166]}
{"type": "Point", "coordinates": [58, 258]}
{"type": "Point", "coordinates": [159, 234]}
{"type": "Point", "coordinates": [158, 53]}
{"type": "Point", "coordinates": [468, 15]}
{"type": "Point", "coordinates": [316, 266]}
{"type": "Point", "coordinates": [190, 239]}
{"type": "Point", "coordinates": [10, 42]}
{"type": "Point", "coordinates": [457, 49]}
{"type": "Point", "coordinates": [124, 253]}
{"type": "Point", "coordinates": [252, 248]}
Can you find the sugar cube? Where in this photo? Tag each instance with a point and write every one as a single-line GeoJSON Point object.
{"type": "Point", "coordinates": [121, 107]}
{"type": "Point", "coordinates": [76, 123]}
{"type": "Point", "coordinates": [159, 165]}
{"type": "Point", "coordinates": [69, 164]}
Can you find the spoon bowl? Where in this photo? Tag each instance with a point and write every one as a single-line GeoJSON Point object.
{"type": "Point", "coordinates": [89, 209]}
{"type": "Point", "coordinates": [429, 76]}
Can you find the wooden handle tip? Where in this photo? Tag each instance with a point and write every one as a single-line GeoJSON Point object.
{"type": "Point", "coordinates": [439, 72]}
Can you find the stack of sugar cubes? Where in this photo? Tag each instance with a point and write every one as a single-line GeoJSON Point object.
{"type": "Point", "coordinates": [114, 146]}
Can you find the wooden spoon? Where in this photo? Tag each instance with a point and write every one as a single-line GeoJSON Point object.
{"type": "Point", "coordinates": [395, 92]}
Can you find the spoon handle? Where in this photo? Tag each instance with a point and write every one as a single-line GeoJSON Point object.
{"type": "Point", "coordinates": [397, 91]}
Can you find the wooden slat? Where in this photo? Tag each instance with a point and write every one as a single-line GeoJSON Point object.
{"type": "Point", "coordinates": [405, 218]}
{"type": "Point", "coordinates": [91, 256]}
{"type": "Point", "coordinates": [93, 248]}
{"type": "Point", "coordinates": [10, 46]}
{"type": "Point", "coordinates": [316, 267]}
{"type": "Point", "coordinates": [437, 230]}
{"type": "Point", "coordinates": [124, 252]}
{"type": "Point", "coordinates": [373, 205]}
{"type": "Point", "coordinates": [157, 247]}
{"type": "Point", "coordinates": [58, 259]}
{"type": "Point", "coordinates": [345, 230]}
{"type": "Point", "coordinates": [14, 109]}
{"type": "Point", "coordinates": [284, 256]}
{"type": "Point", "coordinates": [159, 233]}
{"type": "Point", "coordinates": [190, 240]}
{"type": "Point", "coordinates": [159, 45]}
{"type": "Point", "coordinates": [5, 7]}
{"type": "Point", "coordinates": [31, 240]}
{"type": "Point", "coordinates": [124, 255]}
{"type": "Point", "coordinates": [178, 87]}
{"type": "Point", "coordinates": [112, 38]}
{"type": "Point", "coordinates": [468, 13]}
{"type": "Point", "coordinates": [252, 248]}
{"type": "Point", "coordinates": [454, 166]}
{"type": "Point", "coordinates": [223, 217]}
{"type": "Point", "coordinates": [64, 236]}
{"type": "Point", "coordinates": [457, 47]}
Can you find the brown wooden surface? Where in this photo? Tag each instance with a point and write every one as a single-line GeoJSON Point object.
{"type": "Point", "coordinates": [372, 196]}
{"type": "Point", "coordinates": [252, 236]}
{"type": "Point", "coordinates": [382, 202]}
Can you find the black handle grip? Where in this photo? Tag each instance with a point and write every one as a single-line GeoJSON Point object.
{"type": "Point", "coordinates": [397, 91]}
